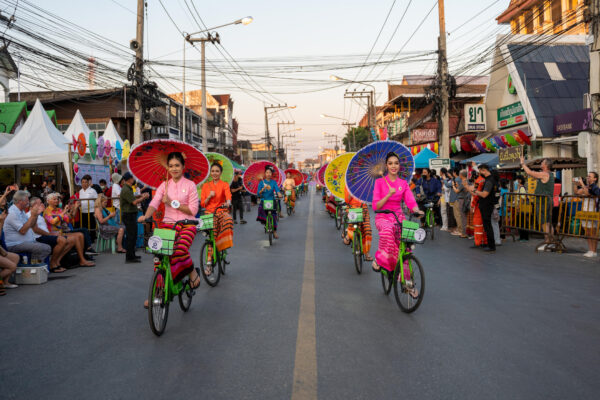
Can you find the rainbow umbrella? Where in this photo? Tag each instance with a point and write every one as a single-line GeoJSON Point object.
{"type": "Point", "coordinates": [511, 140]}
{"type": "Point", "coordinates": [368, 165]}
{"type": "Point", "coordinates": [118, 151]}
{"type": "Point", "coordinates": [488, 145]}
{"type": "Point", "coordinates": [335, 175]}
{"type": "Point", "coordinates": [296, 175]}
{"type": "Point", "coordinates": [148, 161]}
{"type": "Point", "coordinates": [499, 143]}
{"type": "Point", "coordinates": [479, 146]}
{"type": "Point", "coordinates": [74, 143]}
{"type": "Point", "coordinates": [126, 149]}
{"type": "Point", "coordinates": [107, 148]}
{"type": "Point", "coordinates": [256, 173]}
{"type": "Point", "coordinates": [281, 177]}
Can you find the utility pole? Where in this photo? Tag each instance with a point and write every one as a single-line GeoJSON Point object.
{"type": "Point", "coordinates": [352, 145]}
{"type": "Point", "coordinates": [277, 157]}
{"type": "Point", "coordinates": [267, 133]}
{"type": "Point", "coordinates": [139, 73]}
{"type": "Point", "coordinates": [443, 121]}
{"type": "Point", "coordinates": [592, 145]}
{"type": "Point", "coordinates": [364, 94]}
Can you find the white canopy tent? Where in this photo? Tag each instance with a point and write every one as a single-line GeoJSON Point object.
{"type": "Point", "coordinates": [38, 142]}
{"type": "Point", "coordinates": [77, 126]}
{"type": "Point", "coordinates": [5, 138]}
{"type": "Point", "coordinates": [111, 134]}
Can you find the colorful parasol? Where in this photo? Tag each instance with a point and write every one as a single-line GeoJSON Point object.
{"type": "Point", "coordinates": [335, 175]}
{"type": "Point", "coordinates": [281, 177]}
{"type": "Point", "coordinates": [499, 142]}
{"type": "Point", "coordinates": [118, 151]}
{"type": "Point", "coordinates": [255, 173]}
{"type": "Point", "coordinates": [227, 175]}
{"type": "Point", "coordinates": [526, 139]}
{"type": "Point", "coordinates": [368, 165]}
{"type": "Point", "coordinates": [297, 175]}
{"type": "Point", "coordinates": [74, 143]}
{"type": "Point", "coordinates": [126, 149]}
{"type": "Point", "coordinates": [148, 161]}
{"type": "Point", "coordinates": [101, 147]}
{"type": "Point", "coordinates": [321, 175]}
{"type": "Point", "coordinates": [306, 177]}
{"type": "Point", "coordinates": [503, 138]}
{"type": "Point", "coordinates": [81, 145]}
{"type": "Point", "coordinates": [511, 139]}
{"type": "Point", "coordinates": [93, 145]}
{"type": "Point", "coordinates": [107, 148]}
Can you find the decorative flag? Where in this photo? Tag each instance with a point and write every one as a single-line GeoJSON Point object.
{"type": "Point", "coordinates": [383, 133]}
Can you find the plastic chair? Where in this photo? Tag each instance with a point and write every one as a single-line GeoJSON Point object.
{"type": "Point", "coordinates": [105, 244]}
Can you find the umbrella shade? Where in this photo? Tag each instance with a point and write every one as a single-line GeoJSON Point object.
{"type": "Point", "coordinates": [368, 164]}
{"type": "Point", "coordinates": [297, 175]}
{"type": "Point", "coordinates": [488, 145]}
{"type": "Point", "coordinates": [321, 175]}
{"type": "Point", "coordinates": [421, 160]}
{"type": "Point", "coordinates": [306, 177]}
{"type": "Point", "coordinates": [81, 145]}
{"type": "Point", "coordinates": [526, 139]}
{"type": "Point", "coordinates": [93, 145]}
{"type": "Point", "coordinates": [227, 174]}
{"type": "Point", "coordinates": [281, 177]}
{"type": "Point", "coordinates": [335, 174]}
{"type": "Point", "coordinates": [126, 149]}
{"type": "Point", "coordinates": [256, 173]}
{"type": "Point", "coordinates": [74, 143]}
{"type": "Point", "coordinates": [119, 151]}
{"type": "Point", "coordinates": [511, 139]}
{"type": "Point", "coordinates": [107, 148]}
{"type": "Point", "coordinates": [479, 146]}
{"type": "Point", "coordinates": [503, 138]}
{"type": "Point", "coordinates": [499, 143]}
{"type": "Point", "coordinates": [100, 147]}
{"type": "Point", "coordinates": [148, 161]}
{"type": "Point", "coordinates": [453, 145]}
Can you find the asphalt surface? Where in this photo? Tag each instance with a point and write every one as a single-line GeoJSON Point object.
{"type": "Point", "coordinates": [514, 324]}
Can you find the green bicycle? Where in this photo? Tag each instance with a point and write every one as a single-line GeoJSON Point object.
{"type": "Point", "coordinates": [269, 208]}
{"type": "Point", "coordinates": [212, 261]}
{"type": "Point", "coordinates": [429, 222]}
{"type": "Point", "coordinates": [343, 216]}
{"type": "Point", "coordinates": [288, 203]}
{"type": "Point", "coordinates": [162, 288]}
{"type": "Point", "coordinates": [354, 217]}
{"type": "Point", "coordinates": [408, 278]}
{"type": "Point", "coordinates": [339, 216]}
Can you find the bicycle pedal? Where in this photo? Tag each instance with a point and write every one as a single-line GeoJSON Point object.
{"type": "Point", "coordinates": [156, 302]}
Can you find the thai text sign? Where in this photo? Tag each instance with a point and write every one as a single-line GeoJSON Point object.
{"type": "Point", "coordinates": [573, 122]}
{"type": "Point", "coordinates": [475, 118]}
{"type": "Point", "coordinates": [424, 135]}
{"type": "Point", "coordinates": [437, 163]}
{"type": "Point", "coordinates": [511, 115]}
{"type": "Point", "coordinates": [510, 155]}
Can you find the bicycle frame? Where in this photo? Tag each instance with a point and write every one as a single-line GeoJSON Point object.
{"type": "Point", "coordinates": [172, 289]}
{"type": "Point", "coordinates": [210, 238]}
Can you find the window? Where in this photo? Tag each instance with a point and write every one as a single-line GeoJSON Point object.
{"type": "Point", "coordinates": [553, 71]}
{"type": "Point", "coordinates": [63, 127]}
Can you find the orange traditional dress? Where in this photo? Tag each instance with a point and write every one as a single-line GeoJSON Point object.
{"type": "Point", "coordinates": [223, 223]}
{"type": "Point", "coordinates": [365, 227]}
{"type": "Point", "coordinates": [479, 235]}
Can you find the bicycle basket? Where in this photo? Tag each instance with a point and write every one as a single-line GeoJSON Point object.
{"type": "Point", "coordinates": [162, 242]}
{"type": "Point", "coordinates": [206, 222]}
{"type": "Point", "coordinates": [288, 192]}
{"type": "Point", "coordinates": [412, 232]}
{"type": "Point", "coordinates": [267, 205]}
{"type": "Point", "coordinates": [355, 215]}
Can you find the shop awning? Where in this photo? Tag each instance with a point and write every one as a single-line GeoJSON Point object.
{"type": "Point", "coordinates": [490, 159]}
{"type": "Point", "coordinates": [422, 159]}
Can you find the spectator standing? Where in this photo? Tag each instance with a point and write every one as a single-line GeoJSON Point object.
{"type": "Point", "coordinates": [521, 205]}
{"type": "Point", "coordinates": [486, 203]}
{"type": "Point", "coordinates": [115, 192]}
{"type": "Point", "coordinates": [88, 196]}
{"type": "Point", "coordinates": [459, 189]}
{"type": "Point", "coordinates": [103, 186]}
{"type": "Point", "coordinates": [18, 234]}
{"type": "Point", "coordinates": [446, 182]}
{"type": "Point", "coordinates": [545, 191]}
{"type": "Point", "coordinates": [129, 212]}
{"type": "Point", "coordinates": [589, 187]}
{"type": "Point", "coordinates": [237, 190]}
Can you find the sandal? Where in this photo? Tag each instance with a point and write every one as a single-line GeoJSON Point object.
{"type": "Point", "coordinates": [195, 283]}
{"type": "Point", "coordinates": [347, 242]}
{"type": "Point", "coordinates": [368, 258]}
{"type": "Point", "coordinates": [2, 292]}
{"type": "Point", "coordinates": [58, 270]}
{"type": "Point", "coordinates": [88, 264]}
{"type": "Point", "coordinates": [208, 270]}
{"type": "Point", "coordinates": [146, 304]}
{"type": "Point", "coordinates": [373, 265]}
{"type": "Point", "coordinates": [123, 251]}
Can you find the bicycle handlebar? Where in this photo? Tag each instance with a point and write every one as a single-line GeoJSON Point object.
{"type": "Point", "coordinates": [412, 214]}
{"type": "Point", "coordinates": [180, 222]}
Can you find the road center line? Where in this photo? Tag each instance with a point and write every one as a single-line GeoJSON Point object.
{"type": "Point", "coordinates": [305, 364]}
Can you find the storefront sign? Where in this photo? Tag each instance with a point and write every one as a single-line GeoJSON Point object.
{"type": "Point", "coordinates": [475, 118]}
{"type": "Point", "coordinates": [437, 163]}
{"type": "Point", "coordinates": [573, 122]}
{"type": "Point", "coordinates": [423, 135]}
{"type": "Point", "coordinates": [511, 115]}
{"type": "Point", "coordinates": [510, 155]}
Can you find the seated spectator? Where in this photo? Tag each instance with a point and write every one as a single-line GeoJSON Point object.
{"type": "Point", "coordinates": [18, 234]}
{"type": "Point", "coordinates": [109, 227]}
{"type": "Point", "coordinates": [56, 219]}
{"type": "Point", "coordinates": [58, 243]}
{"type": "Point", "coordinates": [4, 198]}
{"type": "Point", "coordinates": [8, 263]}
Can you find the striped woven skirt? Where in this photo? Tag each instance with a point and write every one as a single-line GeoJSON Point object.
{"type": "Point", "coordinates": [181, 262]}
{"type": "Point", "coordinates": [223, 224]}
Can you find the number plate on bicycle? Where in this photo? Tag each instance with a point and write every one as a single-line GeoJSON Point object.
{"type": "Point", "coordinates": [267, 205]}
{"type": "Point", "coordinates": [288, 192]}
{"type": "Point", "coordinates": [162, 242]}
{"type": "Point", "coordinates": [355, 215]}
{"type": "Point", "coordinates": [205, 222]}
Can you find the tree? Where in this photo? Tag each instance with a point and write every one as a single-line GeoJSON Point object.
{"type": "Point", "coordinates": [359, 135]}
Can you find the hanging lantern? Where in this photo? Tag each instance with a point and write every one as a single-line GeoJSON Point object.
{"type": "Point", "coordinates": [526, 139]}
{"type": "Point", "coordinates": [511, 140]}
{"type": "Point", "coordinates": [503, 138]}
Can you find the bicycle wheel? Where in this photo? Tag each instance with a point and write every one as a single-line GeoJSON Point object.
{"type": "Point", "coordinates": [289, 210]}
{"type": "Point", "coordinates": [213, 278]}
{"type": "Point", "coordinates": [158, 305]}
{"type": "Point", "coordinates": [338, 219]}
{"type": "Point", "coordinates": [386, 282]}
{"type": "Point", "coordinates": [223, 261]}
{"type": "Point", "coordinates": [185, 296]}
{"type": "Point", "coordinates": [405, 300]}
{"type": "Point", "coordinates": [357, 252]}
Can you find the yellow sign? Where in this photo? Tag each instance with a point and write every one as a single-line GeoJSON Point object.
{"type": "Point", "coordinates": [335, 175]}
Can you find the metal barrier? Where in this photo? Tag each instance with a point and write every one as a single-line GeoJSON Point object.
{"type": "Point", "coordinates": [579, 217]}
{"type": "Point", "coordinates": [532, 213]}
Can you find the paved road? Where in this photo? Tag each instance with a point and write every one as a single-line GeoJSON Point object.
{"type": "Point", "coordinates": [296, 322]}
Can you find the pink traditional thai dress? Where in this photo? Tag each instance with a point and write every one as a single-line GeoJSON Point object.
{"type": "Point", "coordinates": [185, 192]}
{"type": "Point", "coordinates": [387, 252]}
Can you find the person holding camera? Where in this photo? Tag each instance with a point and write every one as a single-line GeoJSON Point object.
{"type": "Point", "coordinates": [589, 187]}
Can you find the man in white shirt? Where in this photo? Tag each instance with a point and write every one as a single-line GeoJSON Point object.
{"type": "Point", "coordinates": [87, 197]}
{"type": "Point", "coordinates": [18, 233]}
{"type": "Point", "coordinates": [115, 193]}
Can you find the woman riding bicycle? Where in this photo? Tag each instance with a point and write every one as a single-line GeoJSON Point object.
{"type": "Point", "coordinates": [216, 193]}
{"type": "Point", "coordinates": [180, 197]}
{"type": "Point", "coordinates": [268, 190]}
{"type": "Point", "coordinates": [365, 226]}
{"type": "Point", "coordinates": [290, 185]}
{"type": "Point", "coordinates": [389, 194]}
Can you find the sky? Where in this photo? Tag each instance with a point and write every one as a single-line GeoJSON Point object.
{"type": "Point", "coordinates": [298, 34]}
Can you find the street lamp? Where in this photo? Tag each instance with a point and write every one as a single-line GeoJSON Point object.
{"type": "Point", "coordinates": [208, 38]}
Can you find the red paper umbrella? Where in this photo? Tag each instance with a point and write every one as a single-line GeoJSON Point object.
{"type": "Point", "coordinates": [74, 143]}
{"type": "Point", "coordinates": [256, 173]}
{"type": "Point", "coordinates": [321, 175]}
{"type": "Point", "coordinates": [526, 139]}
{"type": "Point", "coordinates": [148, 161]}
{"type": "Point", "coordinates": [518, 138]}
{"type": "Point", "coordinates": [81, 145]}
{"type": "Point", "coordinates": [297, 175]}
{"type": "Point", "coordinates": [465, 145]}
{"type": "Point", "coordinates": [281, 177]}
{"type": "Point", "coordinates": [306, 177]}
{"type": "Point", "coordinates": [505, 141]}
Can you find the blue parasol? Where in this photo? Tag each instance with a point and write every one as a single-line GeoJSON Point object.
{"type": "Point", "coordinates": [368, 165]}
